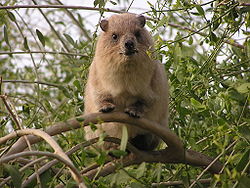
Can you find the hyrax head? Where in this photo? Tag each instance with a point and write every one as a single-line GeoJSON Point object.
{"type": "Point", "coordinates": [124, 35]}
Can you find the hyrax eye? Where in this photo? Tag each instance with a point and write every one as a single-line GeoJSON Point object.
{"type": "Point", "coordinates": [137, 34]}
{"type": "Point", "coordinates": [114, 36]}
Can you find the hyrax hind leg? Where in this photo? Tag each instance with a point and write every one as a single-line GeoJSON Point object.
{"type": "Point", "coordinates": [145, 142]}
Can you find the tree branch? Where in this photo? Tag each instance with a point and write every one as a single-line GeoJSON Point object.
{"type": "Point", "coordinates": [44, 52]}
{"type": "Point", "coordinates": [174, 153]}
{"type": "Point", "coordinates": [230, 42]}
{"type": "Point", "coordinates": [68, 163]}
{"type": "Point", "coordinates": [167, 136]}
{"type": "Point", "coordinates": [174, 183]}
{"type": "Point", "coordinates": [58, 150]}
{"type": "Point", "coordinates": [32, 82]}
{"type": "Point", "coordinates": [74, 149]}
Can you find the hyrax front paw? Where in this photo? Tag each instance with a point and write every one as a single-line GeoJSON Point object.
{"type": "Point", "coordinates": [107, 107]}
{"type": "Point", "coordinates": [132, 111]}
{"type": "Point", "coordinates": [136, 110]}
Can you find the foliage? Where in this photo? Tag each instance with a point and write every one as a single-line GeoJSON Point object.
{"type": "Point", "coordinates": [206, 52]}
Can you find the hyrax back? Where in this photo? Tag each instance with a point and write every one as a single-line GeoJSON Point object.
{"type": "Point", "coordinates": [124, 78]}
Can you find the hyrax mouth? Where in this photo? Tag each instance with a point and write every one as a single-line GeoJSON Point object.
{"type": "Point", "coordinates": [129, 48]}
{"type": "Point", "coordinates": [129, 52]}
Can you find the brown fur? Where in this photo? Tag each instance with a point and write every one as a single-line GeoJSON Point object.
{"type": "Point", "coordinates": [134, 84]}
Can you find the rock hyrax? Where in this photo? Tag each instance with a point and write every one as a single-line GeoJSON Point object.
{"type": "Point", "coordinates": [124, 78]}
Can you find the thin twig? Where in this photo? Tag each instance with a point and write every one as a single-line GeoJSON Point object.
{"type": "Point", "coordinates": [58, 150]}
{"type": "Point", "coordinates": [228, 41]}
{"type": "Point", "coordinates": [53, 162]}
{"type": "Point", "coordinates": [32, 82]}
{"type": "Point", "coordinates": [52, 27]}
{"type": "Point", "coordinates": [73, 150]}
{"type": "Point", "coordinates": [76, 22]}
{"type": "Point", "coordinates": [205, 170]}
{"type": "Point", "coordinates": [231, 42]}
{"type": "Point", "coordinates": [74, 7]}
{"type": "Point", "coordinates": [68, 163]}
{"type": "Point", "coordinates": [24, 168]}
{"type": "Point", "coordinates": [44, 52]}
{"type": "Point", "coordinates": [61, 6]}
{"type": "Point", "coordinates": [14, 115]}
{"type": "Point", "coordinates": [175, 183]}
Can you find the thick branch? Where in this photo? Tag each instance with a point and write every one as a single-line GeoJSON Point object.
{"type": "Point", "coordinates": [167, 155]}
{"type": "Point", "coordinates": [167, 136]}
{"type": "Point", "coordinates": [174, 153]}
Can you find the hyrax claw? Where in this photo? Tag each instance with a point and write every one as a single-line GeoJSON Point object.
{"type": "Point", "coordinates": [107, 108]}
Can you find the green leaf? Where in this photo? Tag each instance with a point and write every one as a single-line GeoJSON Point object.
{"type": "Point", "coordinates": [40, 37]}
{"type": "Point", "coordinates": [136, 185]}
{"type": "Point", "coordinates": [79, 17]}
{"type": "Point", "coordinates": [244, 10]}
{"type": "Point", "coordinates": [69, 39]}
{"type": "Point", "coordinates": [93, 126]}
{"type": "Point", "coordinates": [196, 104]}
{"type": "Point", "coordinates": [124, 139]}
{"type": "Point", "coordinates": [11, 16]}
{"type": "Point", "coordinates": [190, 40]}
{"type": "Point", "coordinates": [118, 153]}
{"type": "Point", "coordinates": [5, 33]}
{"type": "Point", "coordinates": [48, 105]}
{"type": "Point", "coordinates": [244, 182]}
{"type": "Point", "coordinates": [101, 159]}
{"type": "Point", "coordinates": [216, 23]}
{"type": "Point", "coordinates": [15, 175]}
{"type": "Point", "coordinates": [245, 132]}
{"type": "Point", "coordinates": [163, 21]}
{"type": "Point", "coordinates": [150, 25]}
{"type": "Point", "coordinates": [96, 2]}
{"type": "Point", "coordinates": [25, 43]}
{"type": "Point", "coordinates": [177, 53]}
{"type": "Point", "coordinates": [113, 179]}
{"type": "Point", "coordinates": [90, 154]}
{"type": "Point", "coordinates": [243, 161]}
{"type": "Point", "coordinates": [66, 92]}
{"type": "Point", "coordinates": [200, 10]}
{"type": "Point", "coordinates": [80, 119]}
{"type": "Point", "coordinates": [235, 95]}
{"type": "Point", "coordinates": [119, 178]}
{"type": "Point", "coordinates": [150, 4]}
{"type": "Point", "coordinates": [243, 88]}
{"type": "Point", "coordinates": [26, 108]}
{"type": "Point", "coordinates": [114, 3]}
{"type": "Point", "coordinates": [100, 3]}
{"type": "Point", "coordinates": [45, 178]}
{"type": "Point", "coordinates": [213, 37]}
{"type": "Point", "coordinates": [141, 170]}
{"type": "Point", "coordinates": [248, 47]}
{"type": "Point", "coordinates": [77, 84]}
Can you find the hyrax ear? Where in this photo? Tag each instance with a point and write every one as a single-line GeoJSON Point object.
{"type": "Point", "coordinates": [104, 25]}
{"type": "Point", "coordinates": [142, 20]}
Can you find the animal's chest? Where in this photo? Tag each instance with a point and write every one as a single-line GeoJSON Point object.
{"type": "Point", "coordinates": [132, 82]}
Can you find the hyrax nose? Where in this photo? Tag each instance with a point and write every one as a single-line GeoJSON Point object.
{"type": "Point", "coordinates": [129, 44]}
